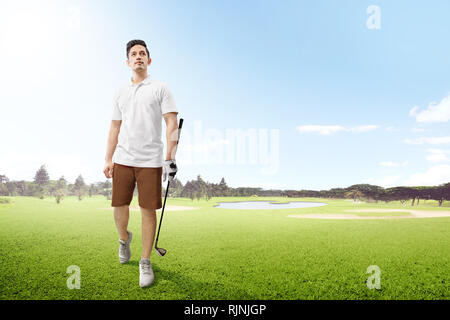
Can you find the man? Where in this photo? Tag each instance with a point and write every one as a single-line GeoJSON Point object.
{"type": "Point", "coordinates": [134, 152]}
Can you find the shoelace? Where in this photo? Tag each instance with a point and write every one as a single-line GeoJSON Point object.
{"type": "Point", "coordinates": [145, 268]}
{"type": "Point", "coordinates": [123, 247]}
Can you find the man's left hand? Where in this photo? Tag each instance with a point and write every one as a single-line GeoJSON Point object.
{"type": "Point", "coordinates": [169, 170]}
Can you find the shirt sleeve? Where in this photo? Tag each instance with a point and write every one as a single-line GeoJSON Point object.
{"type": "Point", "coordinates": [116, 113]}
{"type": "Point", "coordinates": [167, 100]}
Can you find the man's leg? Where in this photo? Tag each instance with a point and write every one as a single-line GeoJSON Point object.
{"type": "Point", "coordinates": [149, 185]}
{"type": "Point", "coordinates": [123, 185]}
{"type": "Point", "coordinates": [148, 231]}
{"type": "Point", "coordinates": [121, 217]}
{"type": "Point", "coordinates": [149, 190]}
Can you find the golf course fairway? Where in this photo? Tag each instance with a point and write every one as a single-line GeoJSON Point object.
{"type": "Point", "coordinates": [215, 253]}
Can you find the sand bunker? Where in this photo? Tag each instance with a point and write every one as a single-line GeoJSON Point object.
{"type": "Point", "coordinates": [412, 214]}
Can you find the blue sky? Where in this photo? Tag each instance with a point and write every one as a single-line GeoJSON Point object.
{"type": "Point", "coordinates": [342, 103]}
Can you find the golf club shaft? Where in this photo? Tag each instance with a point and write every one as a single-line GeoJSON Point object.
{"type": "Point", "coordinates": [167, 189]}
{"type": "Point", "coordinates": [162, 214]}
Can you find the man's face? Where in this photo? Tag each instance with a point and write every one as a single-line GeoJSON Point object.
{"type": "Point", "coordinates": [138, 59]}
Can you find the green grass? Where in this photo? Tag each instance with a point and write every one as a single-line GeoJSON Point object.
{"type": "Point", "coordinates": [221, 253]}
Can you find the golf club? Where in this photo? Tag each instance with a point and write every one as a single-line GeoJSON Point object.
{"type": "Point", "coordinates": [162, 251]}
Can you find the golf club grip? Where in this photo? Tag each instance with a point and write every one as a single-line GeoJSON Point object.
{"type": "Point", "coordinates": [180, 125]}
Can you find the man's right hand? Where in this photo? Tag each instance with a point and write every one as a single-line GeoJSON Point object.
{"type": "Point", "coordinates": [108, 171]}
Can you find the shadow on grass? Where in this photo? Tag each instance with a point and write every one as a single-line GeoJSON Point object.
{"type": "Point", "coordinates": [194, 289]}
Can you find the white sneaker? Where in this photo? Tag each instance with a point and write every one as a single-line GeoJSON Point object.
{"type": "Point", "coordinates": [146, 275]}
{"type": "Point", "coordinates": [124, 249]}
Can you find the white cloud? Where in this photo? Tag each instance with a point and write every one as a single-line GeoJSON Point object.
{"type": "Point", "coordinates": [322, 130]}
{"type": "Point", "coordinates": [437, 151]}
{"type": "Point", "coordinates": [438, 155]}
{"type": "Point", "coordinates": [436, 112]}
{"type": "Point", "coordinates": [429, 140]}
{"type": "Point", "coordinates": [363, 128]}
{"type": "Point", "coordinates": [393, 164]}
{"type": "Point", "coordinates": [435, 175]}
{"type": "Point", "coordinates": [413, 112]}
{"type": "Point", "coordinates": [332, 129]}
{"type": "Point", "coordinates": [392, 129]}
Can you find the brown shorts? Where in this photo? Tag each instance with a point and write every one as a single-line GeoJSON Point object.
{"type": "Point", "coordinates": [148, 184]}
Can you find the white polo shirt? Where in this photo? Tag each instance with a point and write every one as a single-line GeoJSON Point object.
{"type": "Point", "coordinates": [140, 107]}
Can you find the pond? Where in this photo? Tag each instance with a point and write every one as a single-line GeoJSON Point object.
{"type": "Point", "coordinates": [268, 205]}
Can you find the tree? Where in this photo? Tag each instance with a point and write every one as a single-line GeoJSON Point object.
{"type": "Point", "coordinates": [176, 188]}
{"type": "Point", "coordinates": [61, 189]}
{"type": "Point", "coordinates": [79, 187]}
{"type": "Point", "coordinates": [62, 183]}
{"type": "Point", "coordinates": [4, 186]}
{"type": "Point", "coordinates": [446, 188]}
{"type": "Point", "coordinates": [401, 194]}
{"type": "Point", "coordinates": [106, 189]}
{"type": "Point", "coordinates": [3, 178]}
{"type": "Point", "coordinates": [222, 188]}
{"type": "Point", "coordinates": [209, 191]}
{"type": "Point", "coordinates": [188, 190]}
{"type": "Point", "coordinates": [91, 190]}
{"type": "Point", "coordinates": [21, 187]}
{"type": "Point", "coordinates": [438, 194]}
{"type": "Point", "coordinates": [41, 179]}
{"type": "Point", "coordinates": [3, 190]}
{"type": "Point", "coordinates": [336, 193]}
{"type": "Point", "coordinates": [200, 188]}
{"type": "Point", "coordinates": [354, 194]}
{"type": "Point", "coordinates": [367, 191]}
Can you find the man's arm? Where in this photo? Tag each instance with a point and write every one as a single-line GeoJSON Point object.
{"type": "Point", "coordinates": [113, 138]}
{"type": "Point", "coordinates": [171, 134]}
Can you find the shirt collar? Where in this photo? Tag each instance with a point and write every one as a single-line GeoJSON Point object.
{"type": "Point", "coordinates": [145, 81]}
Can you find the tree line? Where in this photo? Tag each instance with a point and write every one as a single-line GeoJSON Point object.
{"type": "Point", "coordinates": [372, 193]}
{"type": "Point", "coordinates": [42, 186]}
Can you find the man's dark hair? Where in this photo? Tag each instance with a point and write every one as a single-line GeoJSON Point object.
{"type": "Point", "coordinates": [132, 43]}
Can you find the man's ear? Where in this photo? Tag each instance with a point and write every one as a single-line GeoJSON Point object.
{"type": "Point", "coordinates": [128, 62]}
{"type": "Point", "coordinates": [149, 61]}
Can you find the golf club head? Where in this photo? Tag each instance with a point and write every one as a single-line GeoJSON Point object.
{"type": "Point", "coordinates": [161, 251]}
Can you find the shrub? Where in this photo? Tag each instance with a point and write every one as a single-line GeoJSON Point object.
{"type": "Point", "coordinates": [5, 200]}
